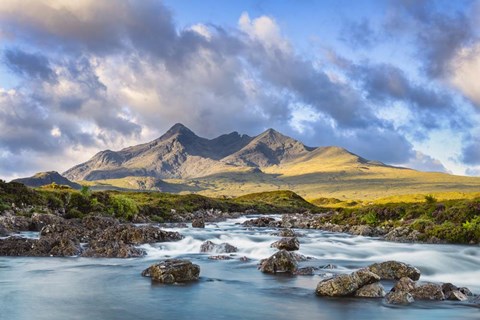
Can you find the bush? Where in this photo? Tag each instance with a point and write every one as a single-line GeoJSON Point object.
{"type": "Point", "coordinates": [370, 218]}
{"type": "Point", "coordinates": [74, 213]}
{"type": "Point", "coordinates": [123, 207]}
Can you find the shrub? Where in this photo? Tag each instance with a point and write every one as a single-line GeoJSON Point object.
{"type": "Point", "coordinates": [370, 218]}
{"type": "Point", "coordinates": [74, 213]}
{"type": "Point", "coordinates": [123, 207]}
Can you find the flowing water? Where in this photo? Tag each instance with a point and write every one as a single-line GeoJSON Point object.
{"type": "Point", "coordinates": [85, 288]}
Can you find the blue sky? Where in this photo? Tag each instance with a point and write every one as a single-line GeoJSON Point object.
{"type": "Point", "coordinates": [394, 81]}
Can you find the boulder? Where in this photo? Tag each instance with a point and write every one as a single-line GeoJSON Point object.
{"type": "Point", "coordinates": [3, 231]}
{"type": "Point", "coordinates": [404, 284]}
{"type": "Point", "coordinates": [282, 261]}
{"type": "Point", "coordinates": [346, 284]}
{"type": "Point", "coordinates": [260, 222]}
{"type": "Point", "coordinates": [306, 271]}
{"type": "Point", "coordinates": [373, 290]}
{"type": "Point", "coordinates": [131, 234]}
{"type": "Point", "coordinates": [289, 244]}
{"type": "Point", "coordinates": [55, 246]}
{"type": "Point", "coordinates": [399, 297]}
{"type": "Point", "coordinates": [172, 271]}
{"type": "Point", "coordinates": [394, 270]}
{"type": "Point", "coordinates": [209, 246]}
{"type": "Point", "coordinates": [98, 222]}
{"type": "Point", "coordinates": [285, 233]}
{"type": "Point", "coordinates": [452, 292]}
{"type": "Point", "coordinates": [428, 291]}
{"type": "Point", "coordinates": [15, 223]}
{"type": "Point", "coordinates": [38, 221]}
{"type": "Point", "coordinates": [362, 230]}
{"type": "Point", "coordinates": [198, 223]}
{"type": "Point", "coordinates": [111, 249]}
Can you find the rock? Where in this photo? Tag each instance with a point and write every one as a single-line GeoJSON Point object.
{"type": "Point", "coordinates": [131, 234]}
{"type": "Point", "coordinates": [209, 246]}
{"type": "Point", "coordinates": [465, 291]}
{"type": "Point", "coordinates": [403, 234]}
{"type": "Point", "coordinates": [198, 223]}
{"type": "Point", "coordinates": [58, 246]}
{"type": "Point", "coordinates": [172, 271]}
{"type": "Point", "coordinates": [399, 297]}
{"type": "Point", "coordinates": [404, 284]}
{"type": "Point", "coordinates": [373, 290]}
{"type": "Point", "coordinates": [476, 300]}
{"type": "Point", "coordinates": [286, 233]}
{"type": "Point", "coordinates": [111, 249]}
{"type": "Point", "coordinates": [94, 222]}
{"type": "Point", "coordinates": [244, 259]}
{"type": "Point", "coordinates": [220, 257]}
{"type": "Point", "coordinates": [260, 222]}
{"type": "Point", "coordinates": [282, 261]}
{"type": "Point", "coordinates": [454, 293]}
{"type": "Point", "coordinates": [299, 257]}
{"type": "Point", "coordinates": [428, 291]}
{"type": "Point", "coordinates": [38, 221]}
{"type": "Point", "coordinates": [15, 223]}
{"type": "Point", "coordinates": [362, 230]}
{"type": "Point", "coordinates": [394, 270]}
{"type": "Point", "coordinates": [3, 231]}
{"type": "Point", "coordinates": [346, 284]}
{"type": "Point", "coordinates": [306, 271]}
{"type": "Point", "coordinates": [289, 244]}
{"type": "Point", "coordinates": [329, 266]}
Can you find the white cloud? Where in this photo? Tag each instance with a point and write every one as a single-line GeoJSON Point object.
{"type": "Point", "coordinates": [465, 72]}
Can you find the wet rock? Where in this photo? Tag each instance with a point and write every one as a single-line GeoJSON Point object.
{"type": "Point", "coordinates": [306, 271]}
{"type": "Point", "coordinates": [399, 297]}
{"type": "Point", "coordinates": [261, 222]}
{"type": "Point", "coordinates": [71, 229]}
{"type": "Point", "coordinates": [390, 270]}
{"type": "Point", "coordinates": [94, 222]}
{"type": "Point", "coordinates": [346, 284]}
{"type": "Point", "coordinates": [282, 261]}
{"type": "Point", "coordinates": [59, 247]}
{"type": "Point", "coordinates": [286, 233]}
{"type": "Point", "coordinates": [403, 234]}
{"type": "Point", "coordinates": [329, 266]}
{"type": "Point", "coordinates": [131, 234]}
{"type": "Point", "coordinates": [209, 246]}
{"type": "Point", "coordinates": [3, 231]}
{"type": "Point", "coordinates": [244, 259]}
{"type": "Point", "coordinates": [15, 223]}
{"type": "Point", "coordinates": [465, 291]}
{"type": "Point", "coordinates": [220, 257]}
{"type": "Point", "coordinates": [362, 230]}
{"type": "Point", "coordinates": [198, 223]}
{"type": "Point", "coordinates": [428, 291]}
{"type": "Point", "coordinates": [454, 293]}
{"type": "Point", "coordinates": [111, 249]}
{"type": "Point", "coordinates": [476, 300]}
{"type": "Point", "coordinates": [404, 284]}
{"type": "Point", "coordinates": [38, 221]}
{"type": "Point", "coordinates": [373, 290]}
{"type": "Point", "coordinates": [172, 271]}
{"type": "Point", "coordinates": [289, 244]}
{"type": "Point", "coordinates": [299, 257]}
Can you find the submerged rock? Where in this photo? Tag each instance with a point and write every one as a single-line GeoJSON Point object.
{"type": "Point", "coordinates": [373, 290]}
{"type": "Point", "coordinates": [346, 284]}
{"type": "Point", "coordinates": [220, 257]}
{"type": "Point", "coordinates": [198, 223]}
{"type": "Point", "coordinates": [289, 244]}
{"type": "Point", "coordinates": [394, 270]}
{"type": "Point", "coordinates": [209, 246]}
{"type": "Point", "coordinates": [286, 233]}
{"type": "Point", "coordinates": [261, 222]}
{"type": "Point", "coordinates": [305, 271]}
{"type": "Point", "coordinates": [172, 271]}
{"type": "Point", "coordinates": [454, 293]}
{"type": "Point", "coordinates": [111, 249]}
{"type": "Point", "coordinates": [282, 261]}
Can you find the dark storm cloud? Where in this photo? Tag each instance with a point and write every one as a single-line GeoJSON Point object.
{"type": "Point", "coordinates": [35, 66]}
{"type": "Point", "coordinates": [471, 152]}
{"type": "Point", "coordinates": [438, 35]}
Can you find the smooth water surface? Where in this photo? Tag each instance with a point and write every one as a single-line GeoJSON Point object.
{"type": "Point", "coordinates": [85, 288]}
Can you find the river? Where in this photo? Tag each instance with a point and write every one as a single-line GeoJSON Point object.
{"type": "Point", "coordinates": [85, 288]}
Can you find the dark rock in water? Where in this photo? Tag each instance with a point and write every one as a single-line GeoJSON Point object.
{"type": "Point", "coordinates": [38, 221]}
{"type": "Point", "coordinates": [403, 234]}
{"type": "Point", "coordinates": [286, 233]}
{"type": "Point", "coordinates": [476, 300]}
{"type": "Point", "coordinates": [362, 230]}
{"type": "Point", "coordinates": [220, 257]}
{"type": "Point", "coordinates": [428, 291]}
{"type": "Point", "coordinates": [299, 257]}
{"type": "Point", "coordinates": [71, 229]}
{"type": "Point", "coordinates": [454, 293]}
{"type": "Point", "coordinates": [346, 284]}
{"type": "Point", "coordinates": [111, 249]}
{"type": "Point", "coordinates": [172, 271]}
{"type": "Point", "coordinates": [282, 261]}
{"type": "Point", "coordinates": [306, 271]}
{"type": "Point", "coordinates": [209, 246]}
{"type": "Point", "coordinates": [394, 270]}
{"type": "Point", "coordinates": [289, 244]}
{"type": "Point", "coordinates": [373, 290]}
{"type": "Point", "coordinates": [198, 223]}
{"type": "Point", "coordinates": [261, 222]}
{"type": "Point", "coordinates": [329, 266]}
{"type": "Point", "coordinates": [399, 297]}
{"type": "Point", "coordinates": [244, 259]}
{"type": "Point", "coordinates": [57, 246]}
{"type": "Point", "coordinates": [465, 291]}
{"type": "Point", "coordinates": [95, 222]}
{"type": "Point", "coordinates": [130, 234]}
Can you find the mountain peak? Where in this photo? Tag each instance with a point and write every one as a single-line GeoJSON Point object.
{"type": "Point", "coordinates": [178, 129]}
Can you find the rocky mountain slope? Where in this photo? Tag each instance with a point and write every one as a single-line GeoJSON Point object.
{"type": "Point", "coordinates": [44, 178]}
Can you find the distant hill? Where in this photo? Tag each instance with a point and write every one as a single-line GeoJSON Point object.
{"type": "Point", "coordinates": [234, 164]}
{"type": "Point", "coordinates": [45, 178]}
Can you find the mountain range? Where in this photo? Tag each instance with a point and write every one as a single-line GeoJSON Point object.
{"type": "Point", "coordinates": [234, 164]}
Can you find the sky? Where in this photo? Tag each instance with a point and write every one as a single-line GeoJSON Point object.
{"type": "Point", "coordinates": [393, 81]}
